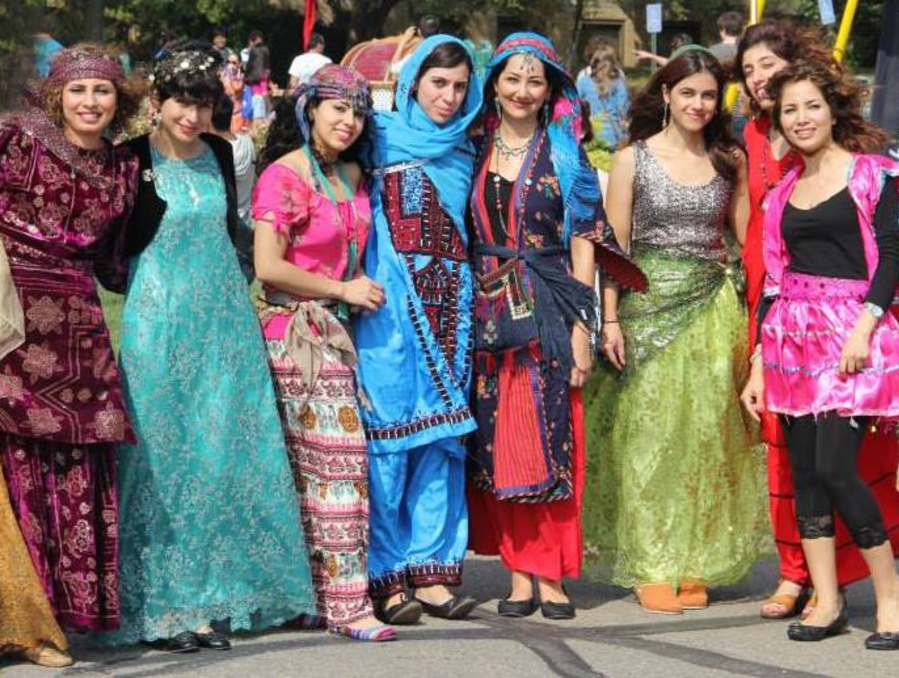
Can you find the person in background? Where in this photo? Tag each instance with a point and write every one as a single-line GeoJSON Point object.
{"type": "Point", "coordinates": [605, 90]}
{"type": "Point", "coordinates": [220, 42]}
{"type": "Point", "coordinates": [244, 152]}
{"type": "Point", "coordinates": [306, 64]}
{"type": "Point", "coordinates": [45, 48]}
{"type": "Point", "coordinates": [256, 76]}
{"type": "Point", "coordinates": [678, 40]}
{"type": "Point", "coordinates": [428, 25]}
{"type": "Point", "coordinates": [236, 89]}
{"type": "Point", "coordinates": [730, 28]}
{"type": "Point", "coordinates": [589, 49]}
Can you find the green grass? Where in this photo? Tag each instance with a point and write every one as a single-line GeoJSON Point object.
{"type": "Point", "coordinates": [112, 312]}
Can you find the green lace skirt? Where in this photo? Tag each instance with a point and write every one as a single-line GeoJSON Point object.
{"type": "Point", "coordinates": [675, 487]}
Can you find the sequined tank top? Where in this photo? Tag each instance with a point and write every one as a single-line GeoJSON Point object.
{"type": "Point", "coordinates": [681, 219]}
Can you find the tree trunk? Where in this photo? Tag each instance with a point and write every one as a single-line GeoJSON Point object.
{"type": "Point", "coordinates": [94, 20]}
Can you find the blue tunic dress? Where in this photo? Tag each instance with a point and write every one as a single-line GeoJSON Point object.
{"type": "Point", "coordinates": [210, 526]}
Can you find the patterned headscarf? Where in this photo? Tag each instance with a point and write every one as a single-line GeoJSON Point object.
{"type": "Point", "coordinates": [329, 83]}
{"type": "Point", "coordinates": [577, 179]}
{"type": "Point", "coordinates": [75, 63]}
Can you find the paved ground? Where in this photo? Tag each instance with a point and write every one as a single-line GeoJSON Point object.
{"type": "Point", "coordinates": [610, 637]}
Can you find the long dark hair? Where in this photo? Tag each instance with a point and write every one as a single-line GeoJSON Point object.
{"type": "Point", "coordinates": [787, 41]}
{"type": "Point", "coordinates": [648, 108]}
{"type": "Point", "coordinates": [844, 98]}
{"type": "Point", "coordinates": [284, 135]}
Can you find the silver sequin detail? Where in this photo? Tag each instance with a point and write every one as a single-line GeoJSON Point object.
{"type": "Point", "coordinates": [679, 219]}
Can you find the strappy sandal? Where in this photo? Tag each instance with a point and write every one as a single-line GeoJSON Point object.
{"type": "Point", "coordinates": [791, 604]}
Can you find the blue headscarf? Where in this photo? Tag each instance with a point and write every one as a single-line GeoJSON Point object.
{"type": "Point", "coordinates": [408, 134]}
{"type": "Point", "coordinates": [577, 179]}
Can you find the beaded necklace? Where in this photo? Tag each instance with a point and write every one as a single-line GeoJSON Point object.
{"type": "Point", "coordinates": [321, 178]}
{"type": "Point", "coordinates": [515, 218]}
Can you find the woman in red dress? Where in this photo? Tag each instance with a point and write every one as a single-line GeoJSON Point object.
{"type": "Point", "coordinates": [765, 49]}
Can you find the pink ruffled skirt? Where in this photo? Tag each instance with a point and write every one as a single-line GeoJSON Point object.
{"type": "Point", "coordinates": [802, 339]}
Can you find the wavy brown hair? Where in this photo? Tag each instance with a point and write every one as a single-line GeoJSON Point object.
{"type": "Point", "coordinates": [844, 97]}
{"type": "Point", "coordinates": [129, 93]}
{"type": "Point", "coordinates": [648, 109]}
{"type": "Point", "coordinates": [787, 41]}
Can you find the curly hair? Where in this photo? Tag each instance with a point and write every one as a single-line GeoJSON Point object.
{"type": "Point", "coordinates": [648, 108]}
{"type": "Point", "coordinates": [605, 67]}
{"type": "Point", "coordinates": [844, 97]}
{"type": "Point", "coordinates": [787, 41]}
{"type": "Point", "coordinates": [129, 93]}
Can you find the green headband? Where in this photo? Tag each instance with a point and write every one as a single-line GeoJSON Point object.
{"type": "Point", "coordinates": [683, 49]}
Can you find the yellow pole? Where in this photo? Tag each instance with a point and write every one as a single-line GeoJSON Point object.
{"type": "Point", "coordinates": [839, 48]}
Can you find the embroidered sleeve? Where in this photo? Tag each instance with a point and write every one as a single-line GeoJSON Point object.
{"type": "Point", "coordinates": [281, 198]}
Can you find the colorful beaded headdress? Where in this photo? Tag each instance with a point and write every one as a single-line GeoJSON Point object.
{"type": "Point", "coordinates": [75, 63]}
{"type": "Point", "coordinates": [186, 61]}
{"type": "Point", "coordinates": [333, 82]}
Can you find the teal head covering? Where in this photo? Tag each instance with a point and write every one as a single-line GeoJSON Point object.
{"type": "Point", "coordinates": [577, 179]}
{"type": "Point", "coordinates": [408, 134]}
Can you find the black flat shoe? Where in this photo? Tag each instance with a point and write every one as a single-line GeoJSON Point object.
{"type": "Point", "coordinates": [516, 608]}
{"type": "Point", "coordinates": [557, 611]}
{"type": "Point", "coordinates": [404, 613]}
{"type": "Point", "coordinates": [213, 640]}
{"type": "Point", "coordinates": [454, 608]}
{"type": "Point", "coordinates": [806, 632]}
{"type": "Point", "coordinates": [888, 640]}
{"type": "Point", "coordinates": [186, 641]}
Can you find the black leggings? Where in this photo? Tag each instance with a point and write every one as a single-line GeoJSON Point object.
{"type": "Point", "coordinates": [823, 454]}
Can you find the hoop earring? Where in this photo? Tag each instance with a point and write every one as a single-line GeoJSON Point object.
{"type": "Point", "coordinates": [665, 116]}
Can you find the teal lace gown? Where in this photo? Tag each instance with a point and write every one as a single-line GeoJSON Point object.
{"type": "Point", "coordinates": [209, 526]}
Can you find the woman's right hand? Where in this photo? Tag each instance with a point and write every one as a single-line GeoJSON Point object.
{"type": "Point", "coordinates": [753, 396]}
{"type": "Point", "coordinates": [613, 345]}
{"type": "Point", "coordinates": [363, 292]}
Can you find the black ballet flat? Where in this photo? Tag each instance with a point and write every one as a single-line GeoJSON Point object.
{"type": "Point", "coordinates": [214, 640]}
{"type": "Point", "coordinates": [888, 640]}
{"type": "Point", "coordinates": [404, 613]}
{"type": "Point", "coordinates": [516, 608]}
{"type": "Point", "coordinates": [557, 611]}
{"type": "Point", "coordinates": [186, 641]}
{"type": "Point", "coordinates": [454, 608]}
{"type": "Point", "coordinates": [807, 633]}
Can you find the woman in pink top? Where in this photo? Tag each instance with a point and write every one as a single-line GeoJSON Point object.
{"type": "Point", "coordinates": [312, 217]}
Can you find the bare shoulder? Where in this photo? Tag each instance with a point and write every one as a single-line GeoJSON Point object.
{"type": "Point", "coordinates": [297, 161]}
{"type": "Point", "coordinates": [623, 162]}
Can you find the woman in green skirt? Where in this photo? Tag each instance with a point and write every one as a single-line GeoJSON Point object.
{"type": "Point", "coordinates": [675, 502]}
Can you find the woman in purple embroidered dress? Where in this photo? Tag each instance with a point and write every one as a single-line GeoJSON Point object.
{"type": "Point", "coordinates": [63, 191]}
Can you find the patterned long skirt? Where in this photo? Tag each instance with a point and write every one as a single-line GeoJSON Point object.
{"type": "Point", "coordinates": [64, 499]}
{"type": "Point", "coordinates": [329, 457]}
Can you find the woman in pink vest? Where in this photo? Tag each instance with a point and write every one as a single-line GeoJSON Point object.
{"type": "Point", "coordinates": [827, 358]}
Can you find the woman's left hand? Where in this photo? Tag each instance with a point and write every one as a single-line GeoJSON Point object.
{"type": "Point", "coordinates": [582, 352]}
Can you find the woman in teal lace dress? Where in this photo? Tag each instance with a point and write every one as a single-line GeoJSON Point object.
{"type": "Point", "coordinates": [677, 503]}
{"type": "Point", "coordinates": [210, 527]}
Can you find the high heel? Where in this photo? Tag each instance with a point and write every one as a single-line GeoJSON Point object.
{"type": "Point", "coordinates": [807, 633]}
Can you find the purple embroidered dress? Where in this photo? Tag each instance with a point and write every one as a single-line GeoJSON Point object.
{"type": "Point", "coordinates": [61, 407]}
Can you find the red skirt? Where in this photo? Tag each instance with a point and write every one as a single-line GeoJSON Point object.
{"type": "Point", "coordinates": [543, 539]}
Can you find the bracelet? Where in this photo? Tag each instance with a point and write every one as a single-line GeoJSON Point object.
{"type": "Point", "coordinates": [609, 322]}
{"type": "Point", "coordinates": [874, 309]}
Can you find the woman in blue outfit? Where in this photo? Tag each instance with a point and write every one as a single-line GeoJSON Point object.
{"type": "Point", "coordinates": [414, 353]}
{"type": "Point", "coordinates": [210, 526]}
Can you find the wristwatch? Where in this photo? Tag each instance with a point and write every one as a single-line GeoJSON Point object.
{"type": "Point", "coordinates": [874, 309]}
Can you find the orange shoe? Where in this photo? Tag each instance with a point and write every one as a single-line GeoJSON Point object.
{"type": "Point", "coordinates": [658, 599]}
{"type": "Point", "coordinates": [693, 595]}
